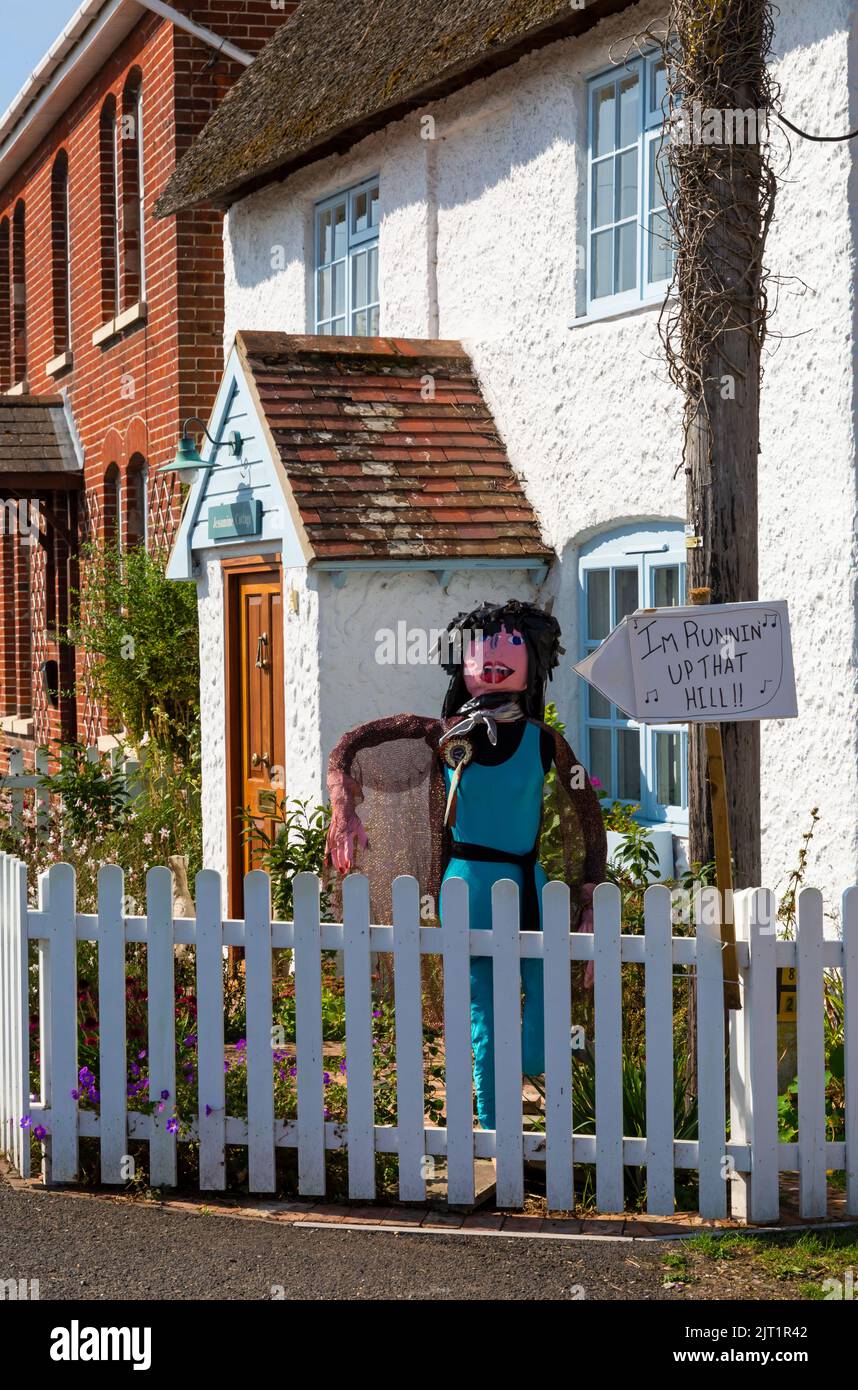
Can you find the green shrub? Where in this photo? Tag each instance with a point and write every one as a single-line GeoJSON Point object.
{"type": "Point", "coordinates": [296, 846]}
{"type": "Point", "coordinates": [142, 631]}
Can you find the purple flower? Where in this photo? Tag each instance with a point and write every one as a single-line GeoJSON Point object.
{"type": "Point", "coordinates": [40, 1133]}
{"type": "Point", "coordinates": [85, 1076]}
{"type": "Point", "coordinates": [327, 1113]}
{"type": "Point", "coordinates": [165, 1095]}
{"type": "Point", "coordinates": [191, 1040]}
{"type": "Point", "coordinates": [135, 1070]}
{"type": "Point", "coordinates": [376, 1013]}
{"type": "Point", "coordinates": [226, 1064]}
{"type": "Point", "coordinates": [141, 1055]}
{"type": "Point", "coordinates": [172, 1125]}
{"type": "Point", "coordinates": [75, 1095]}
{"type": "Point", "coordinates": [25, 1122]}
{"type": "Point", "coordinates": [94, 1095]}
{"type": "Point", "coordinates": [241, 1045]}
{"type": "Point", "coordinates": [343, 1065]}
{"type": "Point", "coordinates": [326, 1077]}
{"type": "Point", "coordinates": [293, 1071]}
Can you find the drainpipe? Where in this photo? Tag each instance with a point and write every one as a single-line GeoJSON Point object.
{"type": "Point", "coordinates": [204, 35]}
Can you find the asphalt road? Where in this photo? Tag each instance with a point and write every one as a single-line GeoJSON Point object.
{"type": "Point", "coordinates": [83, 1248]}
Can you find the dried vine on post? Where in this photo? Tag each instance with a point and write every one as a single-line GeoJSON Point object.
{"type": "Point", "coordinates": [720, 187]}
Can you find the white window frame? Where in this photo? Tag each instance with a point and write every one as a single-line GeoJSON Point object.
{"type": "Point", "coordinates": [646, 548]}
{"type": "Point", "coordinates": [356, 242]}
{"type": "Point", "coordinates": [651, 129]}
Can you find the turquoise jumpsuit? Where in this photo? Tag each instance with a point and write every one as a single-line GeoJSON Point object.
{"type": "Point", "coordinates": [500, 806]}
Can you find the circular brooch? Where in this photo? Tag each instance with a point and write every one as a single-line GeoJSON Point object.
{"type": "Point", "coordinates": [457, 753]}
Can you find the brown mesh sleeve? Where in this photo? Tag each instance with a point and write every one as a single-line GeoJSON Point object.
{"type": "Point", "coordinates": [585, 843]}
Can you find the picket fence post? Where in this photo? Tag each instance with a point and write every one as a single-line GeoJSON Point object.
{"type": "Point", "coordinates": [14, 1014]}
{"type": "Point", "coordinates": [112, 1028]}
{"type": "Point", "coordinates": [741, 1183]}
{"type": "Point", "coordinates": [658, 950]}
{"type": "Point", "coordinates": [258, 984]}
{"type": "Point", "coordinates": [559, 1171]}
{"type": "Point", "coordinates": [408, 1004]}
{"type": "Point", "coordinates": [309, 1036]}
{"type": "Point", "coordinates": [811, 1055]}
{"type": "Point", "coordinates": [457, 1042]}
{"type": "Point", "coordinates": [161, 990]}
{"type": "Point", "coordinates": [608, 1008]}
{"type": "Point", "coordinates": [711, 1086]}
{"type": "Point", "coordinates": [761, 1005]}
{"type": "Point", "coordinates": [360, 1099]}
{"type": "Point", "coordinates": [506, 976]}
{"type": "Point", "coordinates": [62, 1023]}
{"type": "Point", "coordinates": [849, 918]}
{"type": "Point", "coordinates": [211, 1080]}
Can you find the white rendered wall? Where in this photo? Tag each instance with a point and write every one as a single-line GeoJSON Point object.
{"type": "Point", "coordinates": [356, 685]}
{"type": "Point", "coordinates": [479, 235]}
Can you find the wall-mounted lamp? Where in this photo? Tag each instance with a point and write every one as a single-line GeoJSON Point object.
{"type": "Point", "coordinates": [188, 462]}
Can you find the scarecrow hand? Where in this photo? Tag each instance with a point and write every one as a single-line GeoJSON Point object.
{"type": "Point", "coordinates": [586, 924]}
{"type": "Point", "coordinates": [342, 836]}
{"type": "Point", "coordinates": [345, 828]}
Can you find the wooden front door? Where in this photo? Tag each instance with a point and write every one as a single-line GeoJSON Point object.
{"type": "Point", "coordinates": [257, 725]}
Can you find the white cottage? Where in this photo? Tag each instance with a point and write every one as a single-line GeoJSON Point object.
{"type": "Point", "coordinates": [370, 499]}
{"type": "Point", "coordinates": [478, 178]}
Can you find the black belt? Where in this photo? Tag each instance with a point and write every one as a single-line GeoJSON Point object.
{"type": "Point", "coordinates": [484, 854]}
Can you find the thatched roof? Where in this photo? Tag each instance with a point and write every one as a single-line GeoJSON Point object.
{"type": "Point", "coordinates": [376, 469]}
{"type": "Point", "coordinates": [337, 71]}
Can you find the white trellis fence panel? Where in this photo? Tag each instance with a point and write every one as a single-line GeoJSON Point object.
{"type": "Point", "coordinates": [746, 1165]}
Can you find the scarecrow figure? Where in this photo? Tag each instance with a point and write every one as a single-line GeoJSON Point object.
{"type": "Point", "coordinates": [462, 796]}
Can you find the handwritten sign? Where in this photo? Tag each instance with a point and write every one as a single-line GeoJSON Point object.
{"type": "Point", "coordinates": [707, 664]}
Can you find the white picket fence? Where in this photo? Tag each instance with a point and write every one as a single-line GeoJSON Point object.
{"type": "Point", "coordinates": [738, 1171]}
{"type": "Point", "coordinates": [19, 784]}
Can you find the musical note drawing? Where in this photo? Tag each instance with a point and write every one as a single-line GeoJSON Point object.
{"type": "Point", "coordinates": [654, 694]}
{"type": "Point", "coordinates": [765, 683]}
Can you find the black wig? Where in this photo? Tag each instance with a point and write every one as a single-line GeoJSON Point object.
{"type": "Point", "coordinates": [540, 631]}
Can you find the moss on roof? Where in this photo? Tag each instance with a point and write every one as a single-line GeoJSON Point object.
{"type": "Point", "coordinates": [336, 70]}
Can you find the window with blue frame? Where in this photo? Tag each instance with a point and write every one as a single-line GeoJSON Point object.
{"type": "Point", "coordinates": [633, 567]}
{"type": "Point", "coordinates": [629, 254]}
{"type": "Point", "coordinates": [347, 262]}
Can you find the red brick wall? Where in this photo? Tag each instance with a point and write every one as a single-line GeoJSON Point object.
{"type": "Point", "coordinates": [129, 394]}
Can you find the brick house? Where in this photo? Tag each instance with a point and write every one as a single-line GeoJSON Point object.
{"type": "Point", "coordinates": [110, 322]}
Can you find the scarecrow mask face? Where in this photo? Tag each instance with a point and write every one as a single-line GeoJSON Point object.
{"type": "Point", "coordinates": [496, 664]}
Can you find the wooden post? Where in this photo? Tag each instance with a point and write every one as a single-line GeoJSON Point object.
{"type": "Point", "coordinates": [716, 781]}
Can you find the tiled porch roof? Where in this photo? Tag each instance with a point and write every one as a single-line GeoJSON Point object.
{"type": "Point", "coordinates": [389, 449]}
{"type": "Point", "coordinates": [36, 446]}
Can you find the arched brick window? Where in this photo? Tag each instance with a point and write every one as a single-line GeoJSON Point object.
{"type": "Point", "coordinates": [131, 154]}
{"type": "Point", "coordinates": [19, 294]}
{"type": "Point", "coordinates": [112, 507]}
{"type": "Point", "coordinates": [109, 211]}
{"type": "Point", "coordinates": [5, 307]}
{"type": "Point", "coordinates": [137, 524]}
{"type": "Point", "coordinates": [60, 253]}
